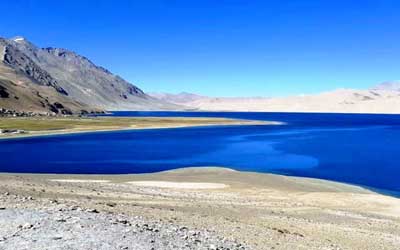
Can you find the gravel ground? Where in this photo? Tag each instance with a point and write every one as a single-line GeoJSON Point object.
{"type": "Point", "coordinates": [70, 227]}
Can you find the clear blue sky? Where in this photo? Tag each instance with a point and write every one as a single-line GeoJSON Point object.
{"type": "Point", "coordinates": [222, 48]}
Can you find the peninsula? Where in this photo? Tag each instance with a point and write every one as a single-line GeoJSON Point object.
{"type": "Point", "coordinates": [11, 127]}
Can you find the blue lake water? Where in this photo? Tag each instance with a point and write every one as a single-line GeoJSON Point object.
{"type": "Point", "coordinates": [358, 149]}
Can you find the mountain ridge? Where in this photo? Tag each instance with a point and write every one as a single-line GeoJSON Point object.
{"type": "Point", "coordinates": [76, 77]}
{"type": "Point", "coordinates": [382, 98]}
{"type": "Point", "coordinates": [388, 85]}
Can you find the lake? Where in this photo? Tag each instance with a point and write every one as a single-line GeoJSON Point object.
{"type": "Point", "coordinates": [353, 148]}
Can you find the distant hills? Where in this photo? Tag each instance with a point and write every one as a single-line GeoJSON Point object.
{"type": "Point", "coordinates": [383, 98]}
{"type": "Point", "coordinates": [60, 81]}
{"type": "Point", "coordinates": [388, 86]}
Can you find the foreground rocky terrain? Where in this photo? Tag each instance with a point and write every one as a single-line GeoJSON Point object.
{"type": "Point", "coordinates": [60, 226]}
{"type": "Point", "coordinates": [207, 208]}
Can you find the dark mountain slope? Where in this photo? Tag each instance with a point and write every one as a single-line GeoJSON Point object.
{"type": "Point", "coordinates": [25, 86]}
{"type": "Point", "coordinates": [86, 82]}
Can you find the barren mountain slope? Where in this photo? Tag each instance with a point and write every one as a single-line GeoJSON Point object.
{"type": "Point", "coordinates": [88, 83]}
{"type": "Point", "coordinates": [26, 87]}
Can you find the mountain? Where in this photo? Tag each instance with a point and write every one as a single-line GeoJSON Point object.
{"type": "Point", "coordinates": [25, 86]}
{"type": "Point", "coordinates": [60, 81]}
{"type": "Point", "coordinates": [201, 102]}
{"type": "Point", "coordinates": [384, 99]}
{"type": "Point", "coordinates": [182, 98]}
{"type": "Point", "coordinates": [64, 77]}
{"type": "Point", "coordinates": [389, 86]}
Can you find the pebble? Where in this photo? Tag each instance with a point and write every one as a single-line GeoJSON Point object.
{"type": "Point", "coordinates": [92, 211]}
{"type": "Point", "coordinates": [111, 204]}
{"type": "Point", "coordinates": [60, 220]}
{"type": "Point", "coordinates": [25, 226]}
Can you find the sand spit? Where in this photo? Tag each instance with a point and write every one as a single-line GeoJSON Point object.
{"type": "Point", "coordinates": [253, 211]}
{"type": "Point", "coordinates": [34, 127]}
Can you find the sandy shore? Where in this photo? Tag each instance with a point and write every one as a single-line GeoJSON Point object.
{"type": "Point", "coordinates": [236, 210]}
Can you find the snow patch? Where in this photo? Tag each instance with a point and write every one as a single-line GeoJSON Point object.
{"type": "Point", "coordinates": [19, 39]}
